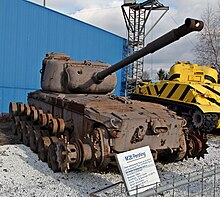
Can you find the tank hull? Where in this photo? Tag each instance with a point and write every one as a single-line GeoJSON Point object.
{"type": "Point", "coordinates": [88, 130]}
{"type": "Point", "coordinates": [130, 115]}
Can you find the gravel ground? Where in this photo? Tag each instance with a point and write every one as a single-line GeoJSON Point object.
{"type": "Point", "coordinates": [23, 174]}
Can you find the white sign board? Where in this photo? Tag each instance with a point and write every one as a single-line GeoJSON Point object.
{"type": "Point", "coordinates": [138, 169]}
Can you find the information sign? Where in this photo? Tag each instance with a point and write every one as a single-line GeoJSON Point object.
{"type": "Point", "coordinates": [138, 169]}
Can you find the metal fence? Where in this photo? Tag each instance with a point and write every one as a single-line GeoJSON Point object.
{"type": "Point", "coordinates": [203, 182]}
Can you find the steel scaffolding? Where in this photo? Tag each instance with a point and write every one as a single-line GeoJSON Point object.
{"type": "Point", "coordinates": [136, 16]}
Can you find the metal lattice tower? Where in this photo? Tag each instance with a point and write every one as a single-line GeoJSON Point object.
{"type": "Point", "coordinates": [135, 19]}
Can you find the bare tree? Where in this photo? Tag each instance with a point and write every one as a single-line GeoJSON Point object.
{"type": "Point", "coordinates": [207, 50]}
{"type": "Point", "coordinates": [146, 76]}
{"type": "Point", "coordinates": [162, 74]}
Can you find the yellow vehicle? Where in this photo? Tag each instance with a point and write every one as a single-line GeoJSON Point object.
{"type": "Point", "coordinates": [192, 91]}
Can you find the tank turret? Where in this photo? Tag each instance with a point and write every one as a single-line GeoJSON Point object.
{"type": "Point", "coordinates": [188, 73]}
{"type": "Point", "coordinates": [61, 74]}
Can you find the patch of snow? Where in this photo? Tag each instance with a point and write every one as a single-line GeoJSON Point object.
{"type": "Point", "coordinates": [23, 174]}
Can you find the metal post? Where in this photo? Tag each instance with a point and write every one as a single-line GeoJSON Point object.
{"type": "Point", "coordinates": [156, 187]}
{"type": "Point", "coordinates": [188, 184]}
{"type": "Point", "coordinates": [203, 179]}
{"type": "Point", "coordinates": [44, 3]}
{"type": "Point", "coordinates": [214, 180]}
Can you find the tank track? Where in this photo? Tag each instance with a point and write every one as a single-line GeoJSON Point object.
{"type": "Point", "coordinates": [48, 136]}
{"type": "Point", "coordinates": [210, 120]}
{"type": "Point", "coordinates": [196, 145]}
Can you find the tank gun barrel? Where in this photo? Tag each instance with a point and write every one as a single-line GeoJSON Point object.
{"type": "Point", "coordinates": [190, 25]}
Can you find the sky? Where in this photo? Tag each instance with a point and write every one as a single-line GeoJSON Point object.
{"type": "Point", "coordinates": [108, 16]}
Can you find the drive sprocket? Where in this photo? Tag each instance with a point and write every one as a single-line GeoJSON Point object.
{"type": "Point", "coordinates": [196, 145]}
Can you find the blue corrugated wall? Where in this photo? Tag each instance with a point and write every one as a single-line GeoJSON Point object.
{"type": "Point", "coordinates": [28, 31]}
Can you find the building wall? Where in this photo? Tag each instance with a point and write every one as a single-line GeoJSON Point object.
{"type": "Point", "coordinates": [28, 31]}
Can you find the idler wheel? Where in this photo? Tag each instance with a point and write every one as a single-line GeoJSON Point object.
{"type": "Point", "coordinates": [43, 144]}
{"type": "Point", "coordinates": [200, 140]}
{"type": "Point", "coordinates": [195, 146]}
{"type": "Point", "coordinates": [52, 157]}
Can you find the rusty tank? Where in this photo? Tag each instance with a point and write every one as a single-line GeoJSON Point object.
{"type": "Point", "coordinates": [76, 122]}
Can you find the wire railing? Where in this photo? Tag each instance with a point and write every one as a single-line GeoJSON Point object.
{"type": "Point", "coordinates": [203, 182]}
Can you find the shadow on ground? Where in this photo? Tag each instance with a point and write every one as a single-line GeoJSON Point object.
{"type": "Point", "coordinates": [6, 135]}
